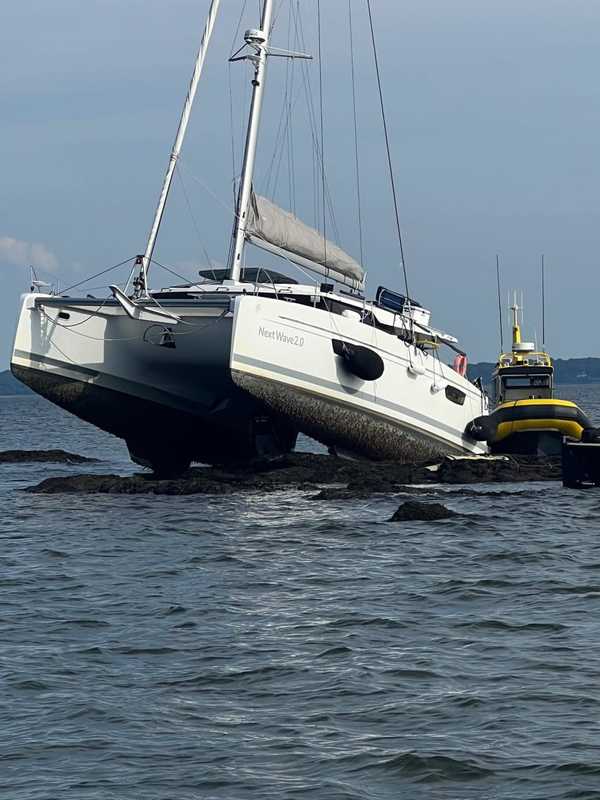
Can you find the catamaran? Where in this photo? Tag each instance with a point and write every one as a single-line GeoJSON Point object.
{"type": "Point", "coordinates": [231, 366]}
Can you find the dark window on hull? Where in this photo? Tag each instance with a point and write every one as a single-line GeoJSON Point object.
{"type": "Point", "coordinates": [455, 395]}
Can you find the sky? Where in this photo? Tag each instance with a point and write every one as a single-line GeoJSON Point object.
{"type": "Point", "coordinates": [494, 119]}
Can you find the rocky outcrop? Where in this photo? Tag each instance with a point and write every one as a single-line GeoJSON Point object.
{"type": "Point", "coordinates": [499, 469]}
{"type": "Point", "coordinates": [41, 456]}
{"type": "Point", "coordinates": [412, 511]}
{"type": "Point", "coordinates": [330, 478]}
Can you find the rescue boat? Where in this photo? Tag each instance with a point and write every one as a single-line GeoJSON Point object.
{"type": "Point", "coordinates": [527, 419]}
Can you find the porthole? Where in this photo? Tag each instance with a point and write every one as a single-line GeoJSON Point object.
{"type": "Point", "coordinates": [455, 395]}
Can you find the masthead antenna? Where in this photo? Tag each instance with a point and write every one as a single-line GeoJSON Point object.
{"type": "Point", "coordinates": [499, 303]}
{"type": "Point", "coordinates": [543, 304]}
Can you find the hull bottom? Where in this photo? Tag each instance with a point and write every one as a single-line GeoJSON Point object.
{"type": "Point", "coordinates": [356, 432]}
{"type": "Point", "coordinates": [163, 438]}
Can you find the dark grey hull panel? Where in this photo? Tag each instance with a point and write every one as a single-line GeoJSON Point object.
{"type": "Point", "coordinates": [236, 429]}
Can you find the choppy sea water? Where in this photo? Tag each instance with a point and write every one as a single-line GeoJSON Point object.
{"type": "Point", "coordinates": [271, 646]}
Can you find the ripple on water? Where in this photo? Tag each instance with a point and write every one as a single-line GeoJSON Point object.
{"type": "Point", "coordinates": [275, 647]}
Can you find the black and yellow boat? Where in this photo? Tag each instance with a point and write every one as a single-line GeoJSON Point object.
{"type": "Point", "coordinates": [527, 418]}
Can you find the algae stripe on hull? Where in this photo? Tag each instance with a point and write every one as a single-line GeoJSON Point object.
{"type": "Point", "coordinates": [336, 387]}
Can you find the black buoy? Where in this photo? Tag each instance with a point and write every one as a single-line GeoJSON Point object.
{"type": "Point", "coordinates": [358, 360]}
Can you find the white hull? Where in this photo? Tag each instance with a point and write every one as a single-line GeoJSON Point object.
{"type": "Point", "coordinates": [282, 353]}
{"type": "Point", "coordinates": [92, 359]}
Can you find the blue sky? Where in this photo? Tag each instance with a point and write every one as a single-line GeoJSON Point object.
{"type": "Point", "coordinates": [494, 113]}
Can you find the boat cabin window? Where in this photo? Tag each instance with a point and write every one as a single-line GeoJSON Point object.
{"type": "Point", "coordinates": [455, 395]}
{"type": "Point", "coordinates": [524, 387]}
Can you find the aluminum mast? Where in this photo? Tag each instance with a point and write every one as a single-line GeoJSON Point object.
{"type": "Point", "coordinates": [257, 40]}
{"type": "Point", "coordinates": [141, 283]}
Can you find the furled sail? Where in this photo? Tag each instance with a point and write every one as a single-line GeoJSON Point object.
{"type": "Point", "coordinates": [282, 233]}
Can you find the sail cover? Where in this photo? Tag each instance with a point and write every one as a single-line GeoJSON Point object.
{"type": "Point", "coordinates": [268, 224]}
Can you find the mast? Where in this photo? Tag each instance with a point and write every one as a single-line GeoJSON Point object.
{"type": "Point", "coordinates": [499, 303]}
{"type": "Point", "coordinates": [516, 330]}
{"type": "Point", "coordinates": [141, 282]}
{"type": "Point", "coordinates": [258, 41]}
{"type": "Point", "coordinates": [543, 304]}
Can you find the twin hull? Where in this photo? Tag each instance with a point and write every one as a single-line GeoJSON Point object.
{"type": "Point", "coordinates": [224, 387]}
{"type": "Point", "coordinates": [166, 390]}
{"type": "Point", "coordinates": [282, 354]}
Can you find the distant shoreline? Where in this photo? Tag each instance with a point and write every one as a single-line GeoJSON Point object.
{"type": "Point", "coordinates": [568, 372]}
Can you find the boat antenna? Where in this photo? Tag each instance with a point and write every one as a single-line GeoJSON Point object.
{"type": "Point", "coordinates": [543, 304]}
{"type": "Point", "coordinates": [143, 261]}
{"type": "Point", "coordinates": [389, 153]}
{"type": "Point", "coordinates": [499, 303]}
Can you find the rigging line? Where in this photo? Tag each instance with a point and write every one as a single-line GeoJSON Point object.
{"type": "Point", "coordinates": [356, 157]}
{"type": "Point", "coordinates": [281, 147]}
{"type": "Point", "coordinates": [85, 319]}
{"type": "Point", "coordinates": [98, 274]}
{"type": "Point", "coordinates": [543, 304]}
{"type": "Point", "coordinates": [499, 303]}
{"type": "Point", "coordinates": [322, 130]}
{"type": "Point", "coordinates": [233, 44]}
{"type": "Point", "coordinates": [292, 40]}
{"type": "Point", "coordinates": [197, 330]}
{"type": "Point", "coordinates": [132, 271]}
{"type": "Point", "coordinates": [279, 138]}
{"type": "Point", "coordinates": [283, 135]}
{"type": "Point", "coordinates": [288, 102]}
{"type": "Point", "coordinates": [207, 189]}
{"type": "Point", "coordinates": [318, 155]}
{"type": "Point", "coordinates": [292, 107]}
{"type": "Point", "coordinates": [387, 145]}
{"type": "Point", "coordinates": [311, 115]}
{"type": "Point", "coordinates": [195, 223]}
{"type": "Point", "coordinates": [233, 159]}
{"type": "Point", "coordinates": [237, 30]}
{"type": "Point", "coordinates": [277, 13]}
{"type": "Point", "coordinates": [172, 271]}
{"type": "Point", "coordinates": [283, 131]}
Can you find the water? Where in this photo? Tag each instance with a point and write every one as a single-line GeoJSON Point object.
{"type": "Point", "coordinates": [276, 647]}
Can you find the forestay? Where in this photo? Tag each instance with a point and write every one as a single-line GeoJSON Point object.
{"type": "Point", "coordinates": [282, 233]}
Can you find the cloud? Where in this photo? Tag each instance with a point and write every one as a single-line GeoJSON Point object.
{"type": "Point", "coordinates": [21, 254]}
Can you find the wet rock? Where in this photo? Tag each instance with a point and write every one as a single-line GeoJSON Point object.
{"type": "Point", "coordinates": [357, 491]}
{"type": "Point", "coordinates": [413, 510]}
{"type": "Point", "coordinates": [498, 470]}
{"type": "Point", "coordinates": [135, 484]}
{"type": "Point", "coordinates": [48, 456]}
{"type": "Point", "coordinates": [341, 493]}
{"type": "Point", "coordinates": [336, 478]}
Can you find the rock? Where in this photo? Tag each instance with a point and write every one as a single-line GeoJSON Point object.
{"type": "Point", "coordinates": [135, 484]}
{"type": "Point", "coordinates": [498, 470]}
{"type": "Point", "coordinates": [49, 456]}
{"type": "Point", "coordinates": [341, 493]}
{"type": "Point", "coordinates": [412, 510]}
{"type": "Point", "coordinates": [336, 478]}
{"type": "Point", "coordinates": [357, 491]}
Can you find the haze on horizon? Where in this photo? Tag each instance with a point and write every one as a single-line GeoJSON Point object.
{"type": "Point", "coordinates": [494, 116]}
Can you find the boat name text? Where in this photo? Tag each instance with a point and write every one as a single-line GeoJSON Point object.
{"type": "Point", "coordinates": [278, 335]}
